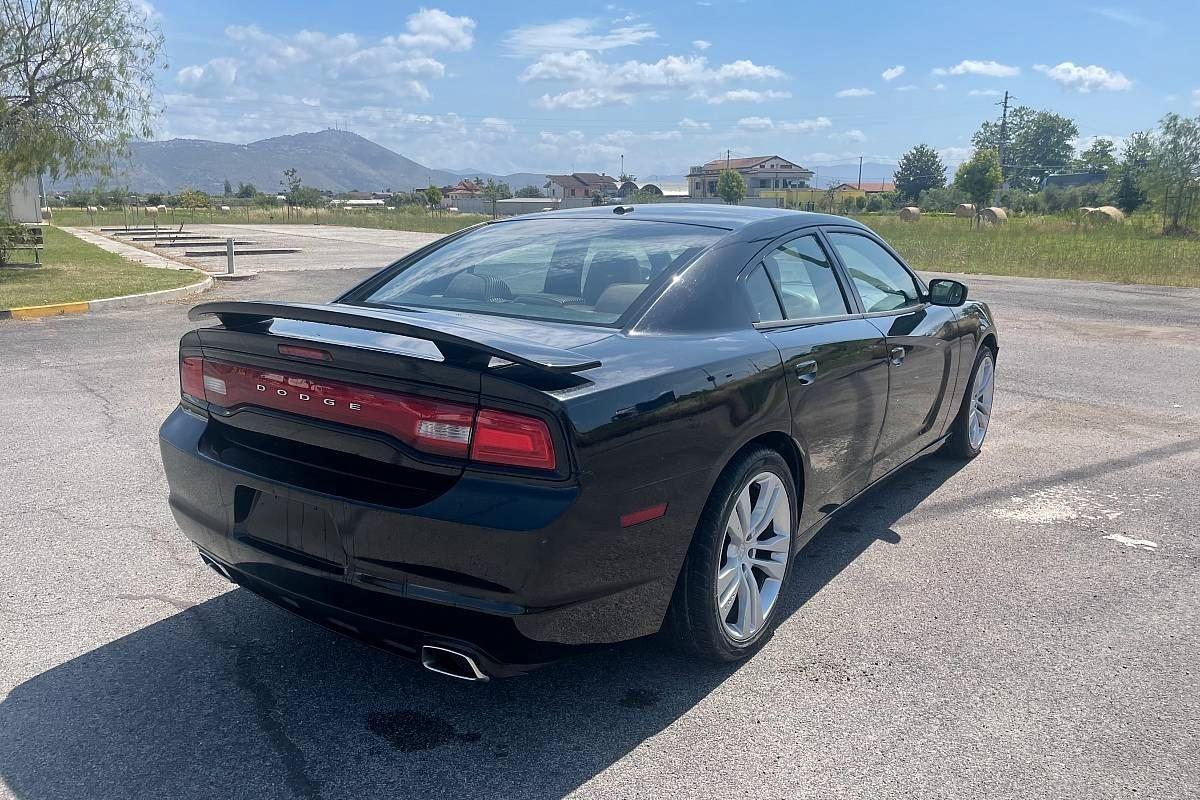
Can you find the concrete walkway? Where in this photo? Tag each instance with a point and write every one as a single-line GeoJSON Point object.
{"type": "Point", "coordinates": [127, 251]}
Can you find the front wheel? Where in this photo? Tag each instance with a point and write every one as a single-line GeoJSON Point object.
{"type": "Point", "coordinates": [970, 426]}
{"type": "Point", "coordinates": [727, 598]}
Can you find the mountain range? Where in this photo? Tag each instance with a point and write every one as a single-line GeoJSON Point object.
{"type": "Point", "coordinates": [330, 159]}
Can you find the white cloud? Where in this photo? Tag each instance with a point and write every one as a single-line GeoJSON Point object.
{"type": "Point", "coordinates": [984, 93]}
{"type": "Point", "coordinates": [854, 135]}
{"type": "Point", "coordinates": [1127, 18]}
{"type": "Point", "coordinates": [147, 10]}
{"type": "Point", "coordinates": [1085, 79]}
{"type": "Point", "coordinates": [891, 73]}
{"type": "Point", "coordinates": [605, 81]}
{"type": "Point", "coordinates": [218, 72]}
{"type": "Point", "coordinates": [701, 44]}
{"type": "Point", "coordinates": [991, 69]}
{"type": "Point", "coordinates": [432, 29]}
{"type": "Point", "coordinates": [911, 87]}
{"type": "Point", "coordinates": [575, 34]}
{"type": "Point", "coordinates": [688, 122]}
{"type": "Point", "coordinates": [805, 125]}
{"type": "Point", "coordinates": [941, 87]}
{"type": "Point", "coordinates": [756, 124]}
{"type": "Point", "coordinates": [583, 98]}
{"type": "Point", "coordinates": [748, 96]}
{"type": "Point", "coordinates": [855, 93]}
{"type": "Point", "coordinates": [953, 156]}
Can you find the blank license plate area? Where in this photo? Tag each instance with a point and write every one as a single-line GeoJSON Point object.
{"type": "Point", "coordinates": [281, 524]}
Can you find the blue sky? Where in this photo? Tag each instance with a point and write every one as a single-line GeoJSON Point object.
{"type": "Point", "coordinates": [530, 86]}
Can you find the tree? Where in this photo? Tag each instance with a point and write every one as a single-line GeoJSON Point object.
{"type": "Point", "coordinates": [979, 178]}
{"type": "Point", "coordinates": [154, 199]}
{"type": "Point", "coordinates": [1039, 143]}
{"type": "Point", "coordinates": [624, 178]}
{"type": "Point", "coordinates": [76, 83]}
{"type": "Point", "coordinates": [246, 191]}
{"type": "Point", "coordinates": [1175, 170]}
{"type": "Point", "coordinates": [1097, 158]}
{"type": "Point", "coordinates": [920, 169]}
{"type": "Point", "coordinates": [731, 186]}
{"type": "Point", "coordinates": [228, 192]}
{"type": "Point", "coordinates": [297, 193]}
{"type": "Point", "coordinates": [529, 191]}
{"type": "Point", "coordinates": [193, 198]}
{"type": "Point", "coordinates": [496, 191]}
{"type": "Point", "coordinates": [433, 196]}
{"type": "Point", "coordinates": [1129, 192]}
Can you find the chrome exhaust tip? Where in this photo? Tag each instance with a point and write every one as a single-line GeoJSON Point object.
{"type": "Point", "coordinates": [451, 662]}
{"type": "Point", "coordinates": [217, 567]}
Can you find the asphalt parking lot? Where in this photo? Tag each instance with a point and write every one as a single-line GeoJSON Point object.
{"type": "Point", "coordinates": [1021, 626]}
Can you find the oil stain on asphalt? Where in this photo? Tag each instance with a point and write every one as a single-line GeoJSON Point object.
{"type": "Point", "coordinates": [412, 731]}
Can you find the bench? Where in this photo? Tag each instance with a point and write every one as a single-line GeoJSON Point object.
{"type": "Point", "coordinates": [21, 237]}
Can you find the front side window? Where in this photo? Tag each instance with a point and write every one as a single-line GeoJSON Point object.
{"type": "Point", "coordinates": [807, 284]}
{"type": "Point", "coordinates": [574, 270]}
{"type": "Point", "coordinates": [882, 282]}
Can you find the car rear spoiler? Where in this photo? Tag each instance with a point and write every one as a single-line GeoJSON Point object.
{"type": "Point", "coordinates": [458, 344]}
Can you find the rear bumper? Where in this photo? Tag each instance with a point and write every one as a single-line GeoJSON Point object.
{"type": "Point", "coordinates": [517, 574]}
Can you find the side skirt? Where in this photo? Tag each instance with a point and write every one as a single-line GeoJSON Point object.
{"type": "Point", "coordinates": [812, 530]}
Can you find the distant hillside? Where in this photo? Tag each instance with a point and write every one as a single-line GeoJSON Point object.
{"type": "Point", "coordinates": [336, 160]}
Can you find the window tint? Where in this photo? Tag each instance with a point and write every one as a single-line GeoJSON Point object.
{"type": "Point", "coordinates": [762, 296]}
{"type": "Point", "coordinates": [806, 281]}
{"type": "Point", "coordinates": [882, 281]}
{"type": "Point", "coordinates": [580, 270]}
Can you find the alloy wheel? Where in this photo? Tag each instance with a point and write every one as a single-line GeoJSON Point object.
{"type": "Point", "coordinates": [755, 550]}
{"type": "Point", "coordinates": [981, 401]}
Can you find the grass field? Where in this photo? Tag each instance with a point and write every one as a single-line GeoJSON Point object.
{"type": "Point", "coordinates": [74, 271]}
{"type": "Point", "coordinates": [1039, 247]}
{"type": "Point", "coordinates": [416, 219]}
{"type": "Point", "coordinates": [1044, 247]}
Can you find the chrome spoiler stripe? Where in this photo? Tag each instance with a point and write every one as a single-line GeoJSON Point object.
{"type": "Point", "coordinates": [458, 344]}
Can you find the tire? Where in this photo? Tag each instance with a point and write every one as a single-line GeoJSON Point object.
{"type": "Point", "coordinates": [962, 443]}
{"type": "Point", "coordinates": [695, 620]}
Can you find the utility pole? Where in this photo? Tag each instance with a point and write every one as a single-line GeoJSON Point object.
{"type": "Point", "coordinates": [622, 164]}
{"type": "Point", "coordinates": [726, 159]}
{"type": "Point", "coordinates": [1004, 134]}
{"type": "Point", "coordinates": [860, 158]}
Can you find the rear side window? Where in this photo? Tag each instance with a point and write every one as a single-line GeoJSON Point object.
{"type": "Point", "coordinates": [762, 296]}
{"type": "Point", "coordinates": [574, 270]}
{"type": "Point", "coordinates": [806, 281]}
{"type": "Point", "coordinates": [883, 283]}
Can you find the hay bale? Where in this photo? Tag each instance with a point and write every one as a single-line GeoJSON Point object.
{"type": "Point", "coordinates": [965, 210]}
{"type": "Point", "coordinates": [1106, 214]}
{"type": "Point", "coordinates": [151, 211]}
{"type": "Point", "coordinates": [1085, 210]}
{"type": "Point", "coordinates": [994, 215]}
{"type": "Point", "coordinates": [92, 210]}
{"type": "Point", "coordinates": [910, 213]}
{"type": "Point", "coordinates": [224, 209]}
{"type": "Point", "coordinates": [162, 209]}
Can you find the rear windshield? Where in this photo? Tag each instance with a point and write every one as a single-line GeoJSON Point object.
{"type": "Point", "coordinates": [576, 270]}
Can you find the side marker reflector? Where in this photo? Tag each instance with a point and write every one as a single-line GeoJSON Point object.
{"type": "Point", "coordinates": [645, 515]}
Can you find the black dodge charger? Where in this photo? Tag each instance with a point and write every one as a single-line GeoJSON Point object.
{"type": "Point", "coordinates": [569, 429]}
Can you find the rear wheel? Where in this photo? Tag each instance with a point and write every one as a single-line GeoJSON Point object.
{"type": "Point", "coordinates": [969, 428]}
{"type": "Point", "coordinates": [727, 598]}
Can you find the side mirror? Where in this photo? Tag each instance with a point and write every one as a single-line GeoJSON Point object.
{"type": "Point", "coordinates": [945, 292]}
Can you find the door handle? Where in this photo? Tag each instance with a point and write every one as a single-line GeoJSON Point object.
{"type": "Point", "coordinates": [897, 354]}
{"type": "Point", "coordinates": [806, 372]}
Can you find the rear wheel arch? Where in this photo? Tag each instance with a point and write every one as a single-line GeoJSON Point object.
{"type": "Point", "coordinates": [781, 443]}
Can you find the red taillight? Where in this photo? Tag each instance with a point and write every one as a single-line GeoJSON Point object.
{"type": "Point", "coordinates": [512, 439]}
{"type": "Point", "coordinates": [432, 426]}
{"type": "Point", "coordinates": [191, 378]}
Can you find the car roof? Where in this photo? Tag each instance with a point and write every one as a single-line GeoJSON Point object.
{"type": "Point", "coordinates": [716, 215]}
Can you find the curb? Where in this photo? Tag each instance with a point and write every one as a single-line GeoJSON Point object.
{"type": "Point", "coordinates": [105, 304]}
